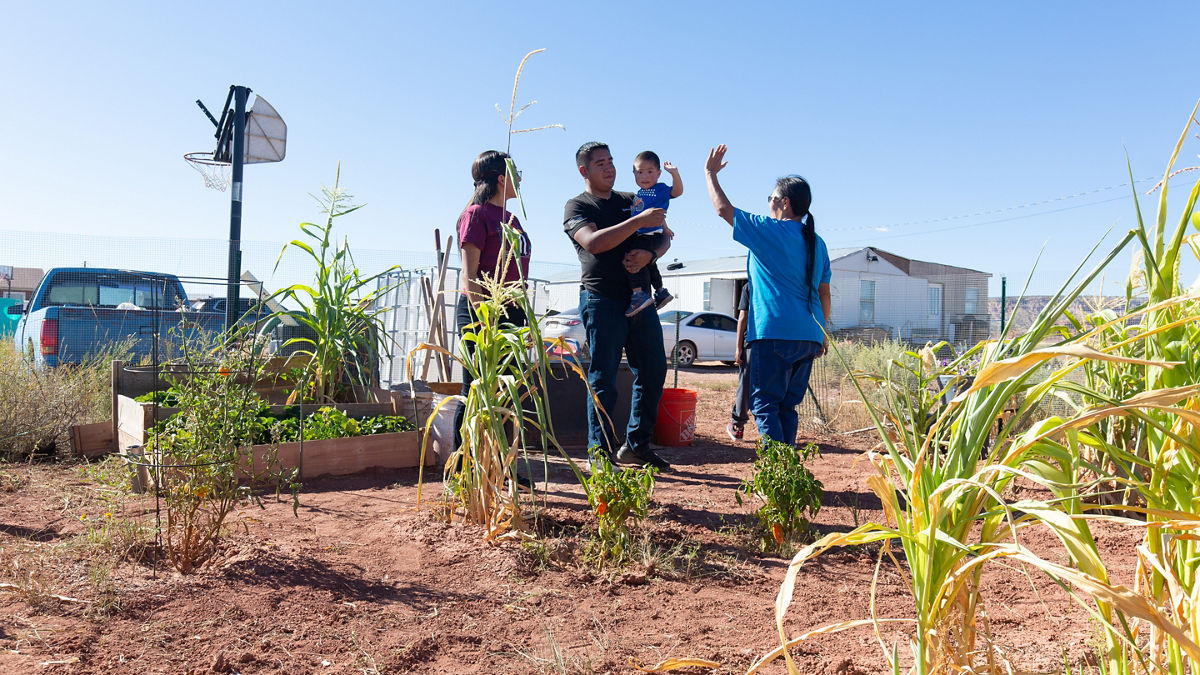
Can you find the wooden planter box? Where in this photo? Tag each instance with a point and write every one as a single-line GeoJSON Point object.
{"type": "Point", "coordinates": [92, 440]}
{"type": "Point", "coordinates": [327, 457]}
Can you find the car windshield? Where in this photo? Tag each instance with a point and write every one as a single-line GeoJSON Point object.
{"type": "Point", "coordinates": [673, 316]}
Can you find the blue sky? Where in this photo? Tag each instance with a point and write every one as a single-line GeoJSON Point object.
{"type": "Point", "coordinates": [905, 118]}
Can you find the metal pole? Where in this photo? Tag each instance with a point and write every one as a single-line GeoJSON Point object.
{"type": "Point", "coordinates": [675, 351]}
{"type": "Point", "coordinates": [1003, 304]}
{"type": "Point", "coordinates": [240, 94]}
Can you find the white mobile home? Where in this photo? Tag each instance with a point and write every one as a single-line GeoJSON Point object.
{"type": "Point", "coordinates": [872, 289]}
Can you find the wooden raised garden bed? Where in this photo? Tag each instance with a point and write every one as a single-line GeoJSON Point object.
{"type": "Point", "coordinates": [325, 457]}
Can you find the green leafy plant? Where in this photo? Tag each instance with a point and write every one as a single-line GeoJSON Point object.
{"type": "Point", "coordinates": [165, 397]}
{"type": "Point", "coordinates": [201, 469]}
{"type": "Point", "coordinates": [338, 306]}
{"type": "Point", "coordinates": [620, 498]}
{"type": "Point", "coordinates": [330, 423]}
{"type": "Point", "coordinates": [385, 424]}
{"type": "Point", "coordinates": [789, 492]}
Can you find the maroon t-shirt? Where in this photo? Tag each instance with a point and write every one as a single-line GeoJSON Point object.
{"type": "Point", "coordinates": [480, 226]}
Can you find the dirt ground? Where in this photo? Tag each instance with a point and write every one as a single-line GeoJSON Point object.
{"type": "Point", "coordinates": [363, 582]}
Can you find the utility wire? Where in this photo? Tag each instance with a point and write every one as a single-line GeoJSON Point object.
{"type": "Point", "coordinates": [986, 222]}
{"type": "Point", "coordinates": [993, 212]}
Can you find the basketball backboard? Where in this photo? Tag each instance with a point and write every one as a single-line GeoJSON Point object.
{"type": "Point", "coordinates": [266, 134]}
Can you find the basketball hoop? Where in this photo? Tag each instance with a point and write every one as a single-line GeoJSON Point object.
{"type": "Point", "coordinates": [216, 174]}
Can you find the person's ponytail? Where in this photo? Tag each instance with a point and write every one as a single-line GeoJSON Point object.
{"type": "Point", "coordinates": [809, 230]}
{"type": "Point", "coordinates": [799, 195]}
{"type": "Point", "coordinates": [485, 171]}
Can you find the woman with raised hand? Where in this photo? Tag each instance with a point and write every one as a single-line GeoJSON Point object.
{"type": "Point", "coordinates": [484, 254]}
{"type": "Point", "coordinates": [788, 266]}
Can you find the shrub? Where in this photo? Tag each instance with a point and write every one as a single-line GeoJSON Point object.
{"type": "Point", "coordinates": [198, 468]}
{"type": "Point", "coordinates": [38, 406]}
{"type": "Point", "coordinates": [789, 492]}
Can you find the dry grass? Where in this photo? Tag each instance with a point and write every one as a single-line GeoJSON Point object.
{"type": "Point", "coordinates": [38, 406]}
{"type": "Point", "coordinates": [82, 568]}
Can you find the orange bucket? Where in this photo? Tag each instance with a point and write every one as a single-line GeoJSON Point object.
{"type": "Point", "coordinates": [676, 417]}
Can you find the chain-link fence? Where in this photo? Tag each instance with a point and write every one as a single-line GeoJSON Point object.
{"type": "Point", "coordinates": [883, 304]}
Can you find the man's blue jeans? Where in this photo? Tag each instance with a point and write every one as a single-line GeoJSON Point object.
{"type": "Point", "coordinates": [608, 332]}
{"type": "Point", "coordinates": [779, 371]}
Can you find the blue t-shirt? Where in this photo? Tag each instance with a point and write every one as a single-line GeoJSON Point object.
{"type": "Point", "coordinates": [778, 261]}
{"type": "Point", "coordinates": [656, 197]}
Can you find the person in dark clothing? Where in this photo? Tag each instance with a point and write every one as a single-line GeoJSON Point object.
{"type": "Point", "coordinates": [599, 223]}
{"type": "Point", "coordinates": [741, 398]}
{"type": "Point", "coordinates": [481, 240]}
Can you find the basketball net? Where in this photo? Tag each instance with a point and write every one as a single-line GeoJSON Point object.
{"type": "Point", "coordinates": [216, 174]}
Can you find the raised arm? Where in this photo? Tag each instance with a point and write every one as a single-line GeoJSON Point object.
{"type": "Point", "coordinates": [715, 163]}
{"type": "Point", "coordinates": [676, 181]}
{"type": "Point", "coordinates": [598, 241]}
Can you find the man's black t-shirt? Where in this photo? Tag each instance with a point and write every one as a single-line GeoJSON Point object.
{"type": "Point", "coordinates": [603, 273]}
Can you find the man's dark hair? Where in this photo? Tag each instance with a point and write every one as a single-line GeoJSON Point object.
{"type": "Point", "coordinates": [584, 154]}
{"type": "Point", "coordinates": [648, 156]}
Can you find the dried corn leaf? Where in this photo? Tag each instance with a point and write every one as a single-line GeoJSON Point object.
{"type": "Point", "coordinates": [675, 664]}
{"type": "Point", "coordinates": [1007, 369]}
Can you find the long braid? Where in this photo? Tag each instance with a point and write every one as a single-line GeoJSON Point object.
{"type": "Point", "coordinates": [799, 195]}
{"type": "Point", "coordinates": [809, 230]}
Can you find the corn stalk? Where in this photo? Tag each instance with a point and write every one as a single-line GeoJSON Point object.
{"type": "Point", "coordinates": [338, 307]}
{"type": "Point", "coordinates": [942, 497]}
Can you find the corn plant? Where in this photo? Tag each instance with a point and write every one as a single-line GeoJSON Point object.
{"type": "Point", "coordinates": [619, 498]}
{"type": "Point", "coordinates": [943, 503]}
{"type": "Point", "coordinates": [338, 307]}
{"type": "Point", "coordinates": [1154, 452]}
{"type": "Point", "coordinates": [510, 372]}
{"type": "Point", "coordinates": [789, 492]}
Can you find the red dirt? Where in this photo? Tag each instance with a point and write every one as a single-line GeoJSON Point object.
{"type": "Point", "coordinates": [361, 582]}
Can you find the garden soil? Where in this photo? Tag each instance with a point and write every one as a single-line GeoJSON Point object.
{"type": "Point", "coordinates": [360, 580]}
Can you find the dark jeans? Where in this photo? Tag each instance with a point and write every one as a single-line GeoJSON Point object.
{"type": "Point", "coordinates": [648, 277]}
{"type": "Point", "coordinates": [741, 398]}
{"type": "Point", "coordinates": [779, 371]}
{"type": "Point", "coordinates": [464, 316]}
{"type": "Point", "coordinates": [608, 332]}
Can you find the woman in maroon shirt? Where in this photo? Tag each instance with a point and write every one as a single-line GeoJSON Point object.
{"type": "Point", "coordinates": [480, 239]}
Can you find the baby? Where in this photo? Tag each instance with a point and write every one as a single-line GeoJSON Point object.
{"type": "Point", "coordinates": [651, 194]}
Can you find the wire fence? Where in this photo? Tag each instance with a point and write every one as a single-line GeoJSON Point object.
{"type": "Point", "coordinates": [880, 300]}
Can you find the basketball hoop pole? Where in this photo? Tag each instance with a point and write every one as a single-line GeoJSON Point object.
{"type": "Point", "coordinates": [240, 94]}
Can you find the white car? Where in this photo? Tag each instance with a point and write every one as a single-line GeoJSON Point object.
{"type": "Point", "coordinates": [703, 336]}
{"type": "Point", "coordinates": [569, 327]}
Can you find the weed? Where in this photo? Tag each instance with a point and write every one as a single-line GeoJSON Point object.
{"type": "Point", "coordinates": [558, 661]}
{"type": "Point", "coordinates": [789, 492]}
{"type": "Point", "coordinates": [11, 480]}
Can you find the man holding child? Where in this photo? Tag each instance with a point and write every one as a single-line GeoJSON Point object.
{"type": "Point", "coordinates": [599, 223]}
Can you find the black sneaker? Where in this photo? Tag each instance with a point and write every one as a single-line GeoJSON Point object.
{"type": "Point", "coordinates": [661, 297]}
{"type": "Point", "coordinates": [627, 455]}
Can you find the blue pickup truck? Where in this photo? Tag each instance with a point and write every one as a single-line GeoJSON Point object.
{"type": "Point", "coordinates": [77, 312]}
